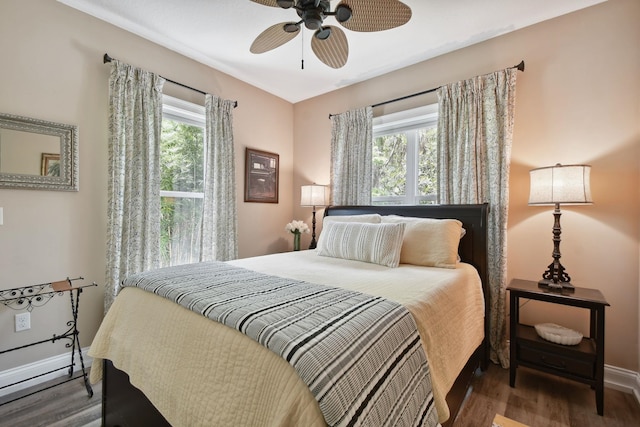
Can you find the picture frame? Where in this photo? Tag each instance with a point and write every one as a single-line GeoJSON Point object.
{"type": "Point", "coordinates": [50, 164]}
{"type": "Point", "coordinates": [261, 181]}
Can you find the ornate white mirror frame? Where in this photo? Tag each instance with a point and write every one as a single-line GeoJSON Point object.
{"type": "Point", "coordinates": [37, 154]}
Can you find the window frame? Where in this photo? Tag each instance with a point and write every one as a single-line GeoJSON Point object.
{"type": "Point", "coordinates": [191, 114]}
{"type": "Point", "coordinates": [408, 122]}
{"type": "Point", "coordinates": [186, 112]}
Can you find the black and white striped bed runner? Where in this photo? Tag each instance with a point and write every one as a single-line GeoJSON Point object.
{"type": "Point", "coordinates": [360, 355]}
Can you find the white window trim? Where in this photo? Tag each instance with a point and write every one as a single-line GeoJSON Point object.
{"type": "Point", "coordinates": [403, 120]}
{"type": "Point", "coordinates": [183, 194]}
{"type": "Point", "coordinates": [186, 112]}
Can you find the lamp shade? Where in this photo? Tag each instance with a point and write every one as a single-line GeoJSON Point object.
{"type": "Point", "coordinates": [567, 184]}
{"type": "Point", "coordinates": [314, 195]}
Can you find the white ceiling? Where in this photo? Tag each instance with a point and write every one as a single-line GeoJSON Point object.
{"type": "Point", "coordinates": [218, 33]}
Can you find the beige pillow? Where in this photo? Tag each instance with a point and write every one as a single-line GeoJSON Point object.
{"type": "Point", "coordinates": [428, 241]}
{"type": "Point", "coordinates": [369, 218]}
{"type": "Point", "coordinates": [373, 243]}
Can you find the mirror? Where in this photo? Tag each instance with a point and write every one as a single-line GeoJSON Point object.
{"type": "Point", "coordinates": [38, 155]}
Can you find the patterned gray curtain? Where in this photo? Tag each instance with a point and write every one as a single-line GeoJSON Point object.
{"type": "Point", "coordinates": [219, 219]}
{"type": "Point", "coordinates": [351, 157]}
{"type": "Point", "coordinates": [475, 129]}
{"type": "Point", "coordinates": [133, 211]}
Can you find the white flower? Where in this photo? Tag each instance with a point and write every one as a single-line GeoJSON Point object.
{"type": "Point", "coordinates": [297, 227]}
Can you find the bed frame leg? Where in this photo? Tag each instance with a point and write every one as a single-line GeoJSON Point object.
{"type": "Point", "coordinates": [123, 405]}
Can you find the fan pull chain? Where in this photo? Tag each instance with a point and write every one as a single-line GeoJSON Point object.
{"type": "Point", "coordinates": [302, 47]}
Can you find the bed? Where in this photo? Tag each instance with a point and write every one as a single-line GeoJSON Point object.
{"type": "Point", "coordinates": [158, 345]}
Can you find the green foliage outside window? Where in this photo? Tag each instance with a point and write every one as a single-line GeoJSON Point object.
{"type": "Point", "coordinates": [428, 162]}
{"type": "Point", "coordinates": [392, 157]}
{"type": "Point", "coordinates": [181, 157]}
{"type": "Point", "coordinates": [390, 165]}
{"type": "Point", "coordinates": [181, 169]}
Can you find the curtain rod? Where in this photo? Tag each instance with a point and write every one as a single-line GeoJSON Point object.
{"type": "Point", "coordinates": [520, 67]}
{"type": "Point", "coordinates": [106, 58]}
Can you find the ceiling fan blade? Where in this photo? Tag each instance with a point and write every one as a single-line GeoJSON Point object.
{"type": "Point", "coordinates": [376, 15]}
{"type": "Point", "coordinates": [334, 50]}
{"type": "Point", "coordinates": [284, 4]}
{"type": "Point", "coordinates": [273, 37]}
{"type": "Point", "coordinates": [271, 3]}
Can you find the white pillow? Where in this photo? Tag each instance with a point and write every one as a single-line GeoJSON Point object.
{"type": "Point", "coordinates": [373, 243]}
{"type": "Point", "coordinates": [368, 218]}
{"type": "Point", "coordinates": [428, 241]}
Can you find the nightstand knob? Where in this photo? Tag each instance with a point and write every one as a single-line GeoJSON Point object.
{"type": "Point", "coordinates": [562, 365]}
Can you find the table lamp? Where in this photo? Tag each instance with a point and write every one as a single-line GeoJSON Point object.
{"type": "Point", "coordinates": [314, 195]}
{"type": "Point", "coordinates": [555, 185]}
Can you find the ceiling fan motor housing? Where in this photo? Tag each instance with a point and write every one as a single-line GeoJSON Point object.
{"type": "Point", "coordinates": [312, 12]}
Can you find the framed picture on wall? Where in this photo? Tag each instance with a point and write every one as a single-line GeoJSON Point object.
{"type": "Point", "coordinates": [261, 176]}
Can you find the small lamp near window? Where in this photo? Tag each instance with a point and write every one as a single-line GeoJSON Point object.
{"type": "Point", "coordinates": [555, 185]}
{"type": "Point", "coordinates": [315, 196]}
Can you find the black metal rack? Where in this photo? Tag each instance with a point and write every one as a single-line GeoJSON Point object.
{"type": "Point", "coordinates": [29, 297]}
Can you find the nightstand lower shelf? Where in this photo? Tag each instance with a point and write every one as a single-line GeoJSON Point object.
{"type": "Point", "coordinates": [577, 362]}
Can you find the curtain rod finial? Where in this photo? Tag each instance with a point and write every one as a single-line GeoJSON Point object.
{"type": "Point", "coordinates": [520, 66]}
{"type": "Point", "coordinates": [106, 58]}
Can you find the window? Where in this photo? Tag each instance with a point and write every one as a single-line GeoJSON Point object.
{"type": "Point", "coordinates": [182, 181]}
{"type": "Point", "coordinates": [405, 170]}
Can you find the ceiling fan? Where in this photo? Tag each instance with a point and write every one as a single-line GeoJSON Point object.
{"type": "Point", "coordinates": [329, 42]}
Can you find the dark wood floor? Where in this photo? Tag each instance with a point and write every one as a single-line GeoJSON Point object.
{"type": "Point", "coordinates": [538, 400]}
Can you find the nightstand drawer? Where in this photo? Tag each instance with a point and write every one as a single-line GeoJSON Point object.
{"type": "Point", "coordinates": [570, 365]}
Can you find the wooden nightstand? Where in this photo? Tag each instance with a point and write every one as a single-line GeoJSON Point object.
{"type": "Point", "coordinates": [583, 362]}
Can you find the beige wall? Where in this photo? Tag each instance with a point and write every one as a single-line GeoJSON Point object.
{"type": "Point", "coordinates": [51, 68]}
{"type": "Point", "coordinates": [577, 102]}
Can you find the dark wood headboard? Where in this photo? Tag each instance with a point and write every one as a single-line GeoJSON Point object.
{"type": "Point", "coordinates": [473, 246]}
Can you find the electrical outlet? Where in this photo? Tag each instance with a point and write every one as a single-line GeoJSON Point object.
{"type": "Point", "coordinates": [23, 321]}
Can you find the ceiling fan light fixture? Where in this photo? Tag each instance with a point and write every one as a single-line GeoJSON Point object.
{"type": "Point", "coordinates": [343, 13]}
{"type": "Point", "coordinates": [291, 27]}
{"type": "Point", "coordinates": [313, 19]}
{"type": "Point", "coordinates": [323, 33]}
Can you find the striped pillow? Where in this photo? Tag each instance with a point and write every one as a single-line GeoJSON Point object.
{"type": "Point", "coordinates": [373, 243]}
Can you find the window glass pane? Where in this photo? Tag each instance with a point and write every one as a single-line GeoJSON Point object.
{"type": "Point", "coordinates": [405, 163]}
{"type": "Point", "coordinates": [427, 163]}
{"type": "Point", "coordinates": [180, 220]}
{"type": "Point", "coordinates": [182, 174]}
{"type": "Point", "coordinates": [181, 157]}
{"type": "Point", "coordinates": [389, 165]}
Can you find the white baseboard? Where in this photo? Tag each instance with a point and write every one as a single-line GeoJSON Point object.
{"type": "Point", "coordinates": [40, 367]}
{"type": "Point", "coordinates": [623, 380]}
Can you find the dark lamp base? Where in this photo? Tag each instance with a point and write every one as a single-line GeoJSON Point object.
{"type": "Point", "coordinates": [556, 286]}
